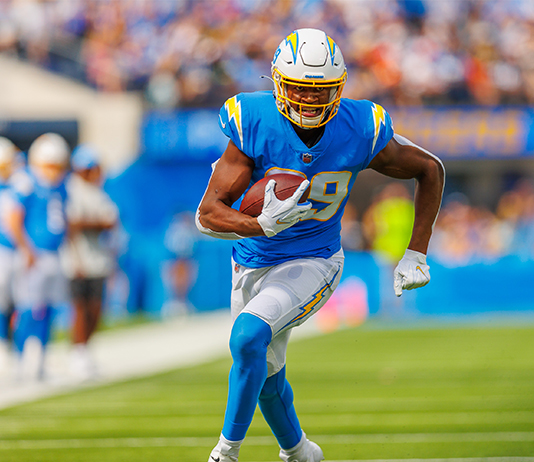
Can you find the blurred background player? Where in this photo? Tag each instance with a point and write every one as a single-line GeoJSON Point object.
{"type": "Point", "coordinates": [38, 225]}
{"type": "Point", "coordinates": [181, 269]}
{"type": "Point", "coordinates": [8, 154]}
{"type": "Point", "coordinates": [87, 261]}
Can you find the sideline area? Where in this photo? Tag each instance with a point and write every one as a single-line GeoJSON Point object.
{"type": "Point", "coordinates": [133, 352]}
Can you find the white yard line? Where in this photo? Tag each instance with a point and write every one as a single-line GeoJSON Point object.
{"type": "Point", "coordinates": [379, 438]}
{"type": "Point", "coordinates": [465, 459]}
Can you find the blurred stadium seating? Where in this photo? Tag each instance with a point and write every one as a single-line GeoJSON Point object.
{"type": "Point", "coordinates": [143, 81]}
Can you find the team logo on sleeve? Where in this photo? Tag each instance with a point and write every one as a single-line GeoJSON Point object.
{"type": "Point", "coordinates": [233, 109]}
{"type": "Point", "coordinates": [379, 118]}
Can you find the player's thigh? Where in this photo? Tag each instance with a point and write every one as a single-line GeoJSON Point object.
{"type": "Point", "coordinates": [28, 283]}
{"type": "Point", "coordinates": [246, 284]}
{"type": "Point", "coordinates": [41, 284]}
{"type": "Point", "coordinates": [293, 291]}
{"type": "Point", "coordinates": [55, 290]}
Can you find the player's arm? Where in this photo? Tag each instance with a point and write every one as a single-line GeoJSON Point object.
{"type": "Point", "coordinates": [78, 226]}
{"type": "Point", "coordinates": [229, 180]}
{"type": "Point", "coordinates": [15, 223]}
{"type": "Point", "coordinates": [404, 160]}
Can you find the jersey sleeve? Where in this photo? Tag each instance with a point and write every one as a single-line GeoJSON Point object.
{"type": "Point", "coordinates": [21, 188]}
{"type": "Point", "coordinates": [231, 120]}
{"type": "Point", "coordinates": [379, 130]}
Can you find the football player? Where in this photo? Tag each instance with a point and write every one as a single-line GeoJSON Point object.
{"type": "Point", "coordinates": [288, 261]}
{"type": "Point", "coordinates": [8, 156]}
{"type": "Point", "coordinates": [38, 225]}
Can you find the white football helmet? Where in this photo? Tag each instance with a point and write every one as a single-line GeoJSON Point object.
{"type": "Point", "coordinates": [49, 149]}
{"type": "Point", "coordinates": [8, 151]}
{"type": "Point", "coordinates": [48, 158]}
{"type": "Point", "coordinates": [8, 158]}
{"type": "Point", "coordinates": [308, 58]}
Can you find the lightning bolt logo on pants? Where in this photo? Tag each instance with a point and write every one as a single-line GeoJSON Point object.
{"type": "Point", "coordinates": [316, 298]}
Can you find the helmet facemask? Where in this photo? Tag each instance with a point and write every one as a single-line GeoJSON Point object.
{"type": "Point", "coordinates": [293, 109]}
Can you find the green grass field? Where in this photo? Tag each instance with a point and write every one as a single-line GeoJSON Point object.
{"type": "Point", "coordinates": [363, 393]}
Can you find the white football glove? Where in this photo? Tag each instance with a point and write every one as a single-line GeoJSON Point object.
{"type": "Point", "coordinates": [278, 215]}
{"type": "Point", "coordinates": [411, 272]}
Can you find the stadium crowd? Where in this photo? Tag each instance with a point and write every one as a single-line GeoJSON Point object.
{"type": "Point", "coordinates": [199, 52]}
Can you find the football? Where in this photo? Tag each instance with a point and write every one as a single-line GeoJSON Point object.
{"type": "Point", "coordinates": [286, 185]}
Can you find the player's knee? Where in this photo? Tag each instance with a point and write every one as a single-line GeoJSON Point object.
{"type": "Point", "coordinates": [275, 386]}
{"type": "Point", "coordinates": [270, 388]}
{"type": "Point", "coordinates": [250, 337]}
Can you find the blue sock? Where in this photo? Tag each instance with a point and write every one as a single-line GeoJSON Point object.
{"type": "Point", "coordinates": [32, 322]}
{"type": "Point", "coordinates": [276, 404]}
{"type": "Point", "coordinates": [4, 326]}
{"type": "Point", "coordinates": [248, 343]}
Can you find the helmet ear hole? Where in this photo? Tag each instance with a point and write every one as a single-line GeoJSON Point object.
{"type": "Point", "coordinates": [308, 58]}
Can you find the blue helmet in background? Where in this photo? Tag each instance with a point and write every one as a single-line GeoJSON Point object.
{"type": "Point", "coordinates": [84, 157]}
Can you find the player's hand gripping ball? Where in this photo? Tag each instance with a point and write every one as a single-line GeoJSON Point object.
{"type": "Point", "coordinates": [286, 185]}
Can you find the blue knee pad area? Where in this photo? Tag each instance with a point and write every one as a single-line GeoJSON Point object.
{"type": "Point", "coordinates": [248, 343]}
{"type": "Point", "coordinates": [32, 323]}
{"type": "Point", "coordinates": [276, 404]}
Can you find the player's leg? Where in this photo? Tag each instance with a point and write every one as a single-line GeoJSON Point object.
{"type": "Point", "coordinates": [6, 271]}
{"type": "Point", "coordinates": [80, 318]}
{"type": "Point", "coordinates": [94, 305]}
{"type": "Point", "coordinates": [87, 302]}
{"type": "Point", "coordinates": [30, 335]}
{"type": "Point", "coordinates": [45, 270]}
{"type": "Point", "coordinates": [276, 404]}
{"type": "Point", "coordinates": [300, 288]}
{"type": "Point", "coordinates": [79, 361]}
{"type": "Point", "coordinates": [248, 344]}
{"type": "Point", "coordinates": [268, 295]}
{"type": "Point", "coordinates": [27, 291]}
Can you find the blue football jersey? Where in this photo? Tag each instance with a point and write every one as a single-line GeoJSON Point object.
{"type": "Point", "coordinates": [44, 207]}
{"type": "Point", "coordinates": [351, 139]}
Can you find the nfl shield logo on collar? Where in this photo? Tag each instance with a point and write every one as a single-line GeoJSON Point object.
{"type": "Point", "coordinates": [307, 157]}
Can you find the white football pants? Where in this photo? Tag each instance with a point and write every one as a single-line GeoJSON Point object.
{"type": "Point", "coordinates": [6, 278]}
{"type": "Point", "coordinates": [44, 284]}
{"type": "Point", "coordinates": [284, 296]}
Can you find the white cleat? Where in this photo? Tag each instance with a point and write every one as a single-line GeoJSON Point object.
{"type": "Point", "coordinates": [305, 451]}
{"type": "Point", "coordinates": [218, 457]}
{"type": "Point", "coordinates": [225, 452]}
